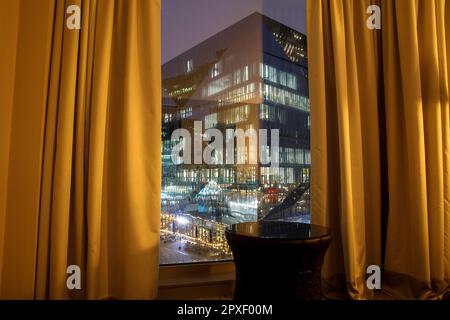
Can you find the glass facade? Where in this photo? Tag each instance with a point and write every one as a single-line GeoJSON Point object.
{"type": "Point", "coordinates": [251, 77]}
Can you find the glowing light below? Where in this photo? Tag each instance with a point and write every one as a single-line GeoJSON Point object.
{"type": "Point", "coordinates": [182, 220]}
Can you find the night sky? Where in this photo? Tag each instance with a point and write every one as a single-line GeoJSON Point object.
{"type": "Point", "coordinates": [186, 23]}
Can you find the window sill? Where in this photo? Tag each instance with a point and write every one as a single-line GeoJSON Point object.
{"type": "Point", "coordinates": [196, 281]}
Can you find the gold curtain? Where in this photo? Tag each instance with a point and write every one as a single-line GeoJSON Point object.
{"type": "Point", "coordinates": [80, 148]}
{"type": "Point", "coordinates": [381, 143]}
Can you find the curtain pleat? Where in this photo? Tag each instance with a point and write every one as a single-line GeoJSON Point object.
{"type": "Point", "coordinates": [380, 129]}
{"type": "Point", "coordinates": [85, 190]}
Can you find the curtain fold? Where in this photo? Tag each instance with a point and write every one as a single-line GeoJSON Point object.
{"type": "Point", "coordinates": [380, 143]}
{"type": "Point", "coordinates": [82, 163]}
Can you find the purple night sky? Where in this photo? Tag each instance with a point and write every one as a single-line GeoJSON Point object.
{"type": "Point", "coordinates": [186, 23]}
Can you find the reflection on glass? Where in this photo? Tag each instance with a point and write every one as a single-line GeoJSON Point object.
{"type": "Point", "coordinates": [252, 75]}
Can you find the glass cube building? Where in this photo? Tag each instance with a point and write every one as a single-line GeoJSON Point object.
{"type": "Point", "coordinates": [252, 75]}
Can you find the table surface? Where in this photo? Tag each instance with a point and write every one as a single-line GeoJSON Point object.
{"type": "Point", "coordinates": [279, 230]}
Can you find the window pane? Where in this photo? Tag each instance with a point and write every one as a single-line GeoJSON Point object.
{"type": "Point", "coordinates": [235, 137]}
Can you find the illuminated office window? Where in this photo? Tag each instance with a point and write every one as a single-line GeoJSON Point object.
{"type": "Point", "coordinates": [219, 85]}
{"type": "Point", "coordinates": [291, 81]}
{"type": "Point", "coordinates": [307, 157]}
{"type": "Point", "coordinates": [264, 112]}
{"type": "Point", "coordinates": [210, 121]}
{"type": "Point", "coordinates": [216, 70]}
{"type": "Point", "coordinates": [273, 74]}
{"type": "Point", "coordinates": [245, 74]}
{"type": "Point", "coordinates": [167, 117]}
{"type": "Point", "coordinates": [283, 80]}
{"type": "Point", "coordinates": [300, 156]}
{"type": "Point", "coordinates": [288, 98]}
{"type": "Point", "coordinates": [185, 113]}
{"type": "Point", "coordinates": [189, 66]}
{"type": "Point", "coordinates": [237, 77]}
